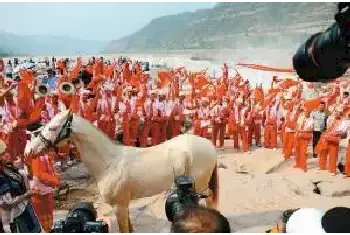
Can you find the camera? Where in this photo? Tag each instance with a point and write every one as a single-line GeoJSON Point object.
{"type": "Point", "coordinates": [81, 219]}
{"type": "Point", "coordinates": [182, 196]}
{"type": "Point", "coordinates": [325, 56]}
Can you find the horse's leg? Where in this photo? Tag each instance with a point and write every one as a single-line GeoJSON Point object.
{"type": "Point", "coordinates": [213, 201]}
{"type": "Point", "coordinates": [122, 214]}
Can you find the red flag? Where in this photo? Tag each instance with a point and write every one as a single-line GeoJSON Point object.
{"type": "Point", "coordinates": [163, 78]}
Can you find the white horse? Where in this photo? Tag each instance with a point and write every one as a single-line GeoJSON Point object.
{"type": "Point", "coordinates": [128, 173]}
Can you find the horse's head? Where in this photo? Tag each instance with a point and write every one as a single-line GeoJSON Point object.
{"type": "Point", "coordinates": [54, 132]}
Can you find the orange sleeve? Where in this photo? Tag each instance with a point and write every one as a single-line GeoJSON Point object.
{"type": "Point", "coordinates": [25, 97]}
{"type": "Point", "coordinates": [37, 109]}
{"type": "Point", "coordinates": [313, 104]}
{"type": "Point", "coordinates": [23, 122]}
{"type": "Point", "coordinates": [74, 105]}
{"type": "Point", "coordinates": [50, 180]}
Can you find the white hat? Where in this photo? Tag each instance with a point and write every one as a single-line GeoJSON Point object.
{"type": "Point", "coordinates": [203, 99]}
{"type": "Point", "coordinates": [287, 96]}
{"type": "Point", "coordinates": [339, 109]}
{"type": "Point", "coordinates": [182, 93]}
{"type": "Point", "coordinates": [162, 92]}
{"type": "Point", "coordinates": [305, 220]}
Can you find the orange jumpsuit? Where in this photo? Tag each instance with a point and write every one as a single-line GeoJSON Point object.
{"type": "Point", "coordinates": [170, 117]}
{"type": "Point", "coordinates": [17, 138]}
{"type": "Point", "coordinates": [303, 137]}
{"type": "Point", "coordinates": [179, 117]}
{"type": "Point", "coordinates": [329, 145]}
{"type": "Point", "coordinates": [246, 119]}
{"type": "Point", "coordinates": [289, 134]}
{"type": "Point", "coordinates": [257, 122]}
{"type": "Point", "coordinates": [204, 117]}
{"type": "Point", "coordinates": [235, 114]}
{"type": "Point", "coordinates": [126, 111]}
{"type": "Point", "coordinates": [347, 160]}
{"type": "Point", "coordinates": [145, 132]}
{"type": "Point", "coordinates": [155, 128]}
{"type": "Point", "coordinates": [163, 122]}
{"type": "Point", "coordinates": [133, 124]}
{"type": "Point", "coordinates": [270, 132]}
{"type": "Point", "coordinates": [196, 124]}
{"type": "Point", "coordinates": [104, 113]}
{"type": "Point", "coordinates": [218, 125]}
{"type": "Point", "coordinates": [43, 184]}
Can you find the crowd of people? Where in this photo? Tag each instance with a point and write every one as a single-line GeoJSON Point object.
{"type": "Point", "coordinates": [122, 96]}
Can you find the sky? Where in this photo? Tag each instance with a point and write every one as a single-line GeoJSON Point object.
{"type": "Point", "coordinates": [90, 21]}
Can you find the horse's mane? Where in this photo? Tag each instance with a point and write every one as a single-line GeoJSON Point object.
{"type": "Point", "coordinates": [91, 133]}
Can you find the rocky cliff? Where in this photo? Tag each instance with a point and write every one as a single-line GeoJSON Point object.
{"type": "Point", "coordinates": [231, 26]}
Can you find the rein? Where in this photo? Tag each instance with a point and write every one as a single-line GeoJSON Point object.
{"type": "Point", "coordinates": [65, 133]}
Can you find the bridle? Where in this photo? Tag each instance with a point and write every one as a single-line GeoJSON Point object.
{"type": "Point", "coordinates": [65, 133]}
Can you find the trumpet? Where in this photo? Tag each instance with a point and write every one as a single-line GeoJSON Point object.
{"type": "Point", "coordinates": [41, 90]}
{"type": "Point", "coordinates": [66, 88]}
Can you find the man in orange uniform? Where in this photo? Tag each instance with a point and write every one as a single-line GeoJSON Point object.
{"type": "Point", "coordinates": [169, 113]}
{"type": "Point", "coordinates": [163, 117]}
{"type": "Point", "coordinates": [258, 115]}
{"type": "Point", "coordinates": [43, 184]}
{"type": "Point", "coordinates": [343, 130]}
{"type": "Point", "coordinates": [236, 110]}
{"type": "Point", "coordinates": [179, 116]}
{"type": "Point", "coordinates": [134, 119]}
{"type": "Point", "coordinates": [329, 143]}
{"type": "Point", "coordinates": [270, 132]}
{"type": "Point", "coordinates": [147, 116]}
{"type": "Point", "coordinates": [246, 119]}
{"type": "Point", "coordinates": [291, 118]}
{"type": "Point", "coordinates": [124, 111]}
{"type": "Point", "coordinates": [204, 117]}
{"type": "Point", "coordinates": [347, 158]}
{"type": "Point", "coordinates": [156, 122]}
{"type": "Point", "coordinates": [303, 137]}
{"type": "Point", "coordinates": [219, 116]}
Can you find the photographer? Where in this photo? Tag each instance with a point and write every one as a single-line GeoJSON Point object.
{"type": "Point", "coordinates": [17, 214]}
{"type": "Point", "coordinates": [183, 210]}
{"type": "Point", "coordinates": [198, 219]}
{"type": "Point", "coordinates": [281, 224]}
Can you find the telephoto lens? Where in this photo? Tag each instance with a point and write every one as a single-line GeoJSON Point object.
{"type": "Point", "coordinates": [323, 57]}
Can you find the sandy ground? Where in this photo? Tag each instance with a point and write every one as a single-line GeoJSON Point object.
{"type": "Point", "coordinates": [254, 188]}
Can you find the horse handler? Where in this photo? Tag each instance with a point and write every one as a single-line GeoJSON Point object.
{"type": "Point", "coordinates": [43, 184]}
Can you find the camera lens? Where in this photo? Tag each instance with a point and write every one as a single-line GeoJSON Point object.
{"type": "Point", "coordinates": [322, 57]}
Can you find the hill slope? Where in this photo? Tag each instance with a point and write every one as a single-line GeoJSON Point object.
{"type": "Point", "coordinates": [231, 26]}
{"type": "Point", "coordinates": [48, 45]}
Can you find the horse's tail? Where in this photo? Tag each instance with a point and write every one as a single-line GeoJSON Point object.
{"type": "Point", "coordinates": [214, 186]}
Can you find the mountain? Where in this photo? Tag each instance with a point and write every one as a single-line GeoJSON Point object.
{"type": "Point", "coordinates": [231, 26]}
{"type": "Point", "coordinates": [4, 53]}
{"type": "Point", "coordinates": [47, 45]}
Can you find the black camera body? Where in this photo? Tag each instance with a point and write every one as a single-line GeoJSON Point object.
{"type": "Point", "coordinates": [81, 219]}
{"type": "Point", "coordinates": [326, 56]}
{"type": "Point", "coordinates": [182, 196]}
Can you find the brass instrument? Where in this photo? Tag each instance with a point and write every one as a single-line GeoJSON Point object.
{"type": "Point", "coordinates": [42, 90]}
{"type": "Point", "coordinates": [66, 88]}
